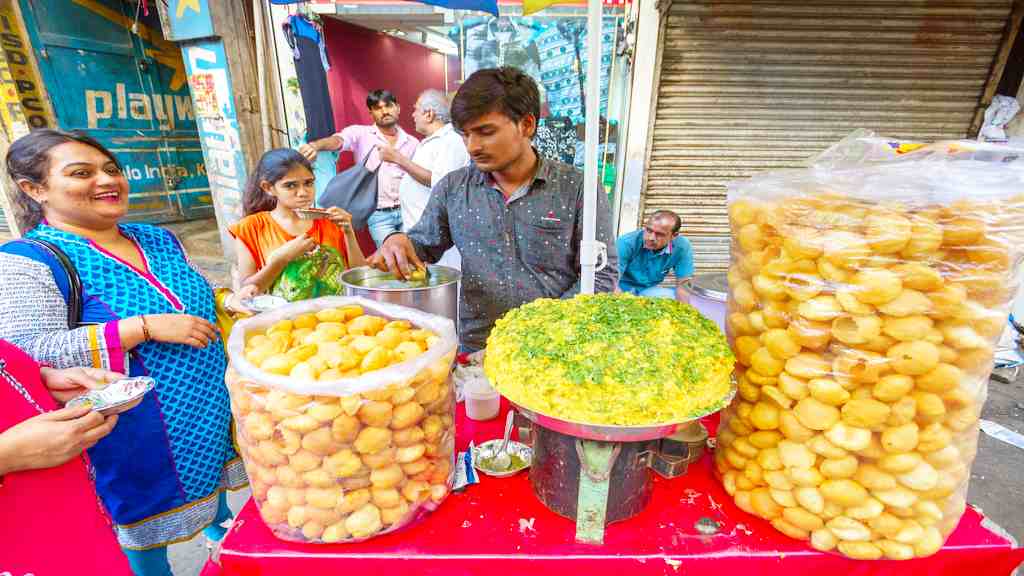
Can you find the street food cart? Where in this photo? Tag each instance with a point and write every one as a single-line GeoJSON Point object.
{"type": "Point", "coordinates": [691, 526]}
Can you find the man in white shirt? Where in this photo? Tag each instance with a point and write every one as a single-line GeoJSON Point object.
{"type": "Point", "coordinates": [441, 151]}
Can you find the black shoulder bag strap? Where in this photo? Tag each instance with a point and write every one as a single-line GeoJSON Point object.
{"type": "Point", "coordinates": [367, 159]}
{"type": "Point", "coordinates": [74, 283]}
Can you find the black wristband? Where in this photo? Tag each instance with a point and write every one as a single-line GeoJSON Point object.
{"type": "Point", "coordinates": [390, 235]}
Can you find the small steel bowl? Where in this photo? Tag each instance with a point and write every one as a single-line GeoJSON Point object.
{"type": "Point", "coordinates": [264, 303]}
{"type": "Point", "coordinates": [490, 448]}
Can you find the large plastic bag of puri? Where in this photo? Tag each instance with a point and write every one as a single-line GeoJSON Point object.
{"type": "Point", "coordinates": [866, 293]}
{"type": "Point", "coordinates": [344, 411]}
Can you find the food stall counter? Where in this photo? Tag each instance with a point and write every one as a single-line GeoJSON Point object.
{"type": "Point", "coordinates": [499, 527]}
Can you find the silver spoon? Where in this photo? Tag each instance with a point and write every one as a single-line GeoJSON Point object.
{"type": "Point", "coordinates": [501, 459]}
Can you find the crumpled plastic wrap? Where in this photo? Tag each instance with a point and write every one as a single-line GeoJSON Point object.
{"type": "Point", "coordinates": [311, 275]}
{"type": "Point", "coordinates": [866, 293]}
{"type": "Point", "coordinates": [345, 416]}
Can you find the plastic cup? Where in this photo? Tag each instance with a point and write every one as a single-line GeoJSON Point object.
{"type": "Point", "coordinates": [482, 401]}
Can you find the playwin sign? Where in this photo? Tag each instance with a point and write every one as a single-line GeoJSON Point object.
{"type": "Point", "coordinates": [113, 109]}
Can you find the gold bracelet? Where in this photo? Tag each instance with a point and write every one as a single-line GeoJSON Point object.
{"type": "Point", "coordinates": [145, 329]}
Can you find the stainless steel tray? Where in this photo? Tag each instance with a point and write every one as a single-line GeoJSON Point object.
{"type": "Point", "coordinates": [610, 433]}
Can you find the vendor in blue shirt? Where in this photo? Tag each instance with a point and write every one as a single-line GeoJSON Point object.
{"type": "Point", "coordinates": [647, 255]}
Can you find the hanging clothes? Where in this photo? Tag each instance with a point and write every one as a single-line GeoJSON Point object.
{"type": "Point", "coordinates": [504, 41]}
{"type": "Point", "coordinates": [556, 139]}
{"type": "Point", "coordinates": [311, 65]}
{"type": "Point", "coordinates": [563, 65]}
{"type": "Point", "coordinates": [559, 46]}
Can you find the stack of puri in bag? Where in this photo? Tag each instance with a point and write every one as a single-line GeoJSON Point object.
{"type": "Point", "coordinates": [866, 294]}
{"type": "Point", "coordinates": [345, 416]}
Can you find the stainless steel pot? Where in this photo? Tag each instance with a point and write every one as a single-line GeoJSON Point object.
{"type": "Point", "coordinates": [708, 295]}
{"type": "Point", "coordinates": [440, 296]}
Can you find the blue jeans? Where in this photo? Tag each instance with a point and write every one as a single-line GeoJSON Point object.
{"type": "Point", "coordinates": [153, 562]}
{"type": "Point", "coordinates": [382, 223]}
{"type": "Point", "coordinates": [657, 292]}
{"type": "Point", "coordinates": [324, 169]}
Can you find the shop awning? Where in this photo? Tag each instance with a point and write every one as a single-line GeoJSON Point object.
{"type": "Point", "coordinates": [489, 6]}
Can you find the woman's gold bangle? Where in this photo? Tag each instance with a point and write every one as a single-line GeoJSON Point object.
{"type": "Point", "coordinates": [145, 329]}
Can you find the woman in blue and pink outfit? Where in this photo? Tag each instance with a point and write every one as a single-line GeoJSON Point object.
{"type": "Point", "coordinates": [162, 472]}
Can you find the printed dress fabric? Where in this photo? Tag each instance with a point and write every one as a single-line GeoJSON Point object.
{"type": "Point", "coordinates": [558, 47]}
{"type": "Point", "coordinates": [503, 41]}
{"type": "Point", "coordinates": [159, 473]}
{"type": "Point", "coordinates": [556, 139]}
{"type": "Point", "coordinates": [563, 65]}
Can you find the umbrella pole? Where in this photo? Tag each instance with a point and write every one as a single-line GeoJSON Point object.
{"type": "Point", "coordinates": [590, 250]}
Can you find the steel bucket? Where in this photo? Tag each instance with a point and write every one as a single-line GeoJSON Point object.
{"type": "Point", "coordinates": [441, 297]}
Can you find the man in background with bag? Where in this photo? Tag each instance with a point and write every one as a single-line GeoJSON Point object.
{"type": "Point", "coordinates": [366, 143]}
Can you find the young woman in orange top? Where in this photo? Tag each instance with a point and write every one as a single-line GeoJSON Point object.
{"type": "Point", "coordinates": [272, 234]}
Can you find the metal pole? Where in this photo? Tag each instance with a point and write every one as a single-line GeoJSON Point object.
{"type": "Point", "coordinates": [462, 48]}
{"type": "Point", "coordinates": [589, 249]}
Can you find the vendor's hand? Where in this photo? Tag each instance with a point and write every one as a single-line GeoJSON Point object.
{"type": "Point", "coordinates": [682, 296]}
{"type": "Point", "coordinates": [181, 329]}
{"type": "Point", "coordinates": [53, 438]}
{"type": "Point", "coordinates": [682, 292]}
{"type": "Point", "coordinates": [390, 154]}
{"type": "Point", "coordinates": [293, 248]}
{"type": "Point", "coordinates": [339, 217]}
{"type": "Point", "coordinates": [235, 301]}
{"type": "Point", "coordinates": [309, 151]}
{"type": "Point", "coordinates": [73, 382]}
{"type": "Point", "coordinates": [397, 256]}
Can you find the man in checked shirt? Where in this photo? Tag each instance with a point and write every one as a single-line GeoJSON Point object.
{"type": "Point", "coordinates": [517, 218]}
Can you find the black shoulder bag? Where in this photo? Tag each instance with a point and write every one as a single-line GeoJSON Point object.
{"type": "Point", "coordinates": [74, 282]}
{"type": "Point", "coordinates": [354, 191]}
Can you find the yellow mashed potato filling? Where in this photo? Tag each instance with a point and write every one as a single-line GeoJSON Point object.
{"type": "Point", "coordinates": [610, 359]}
